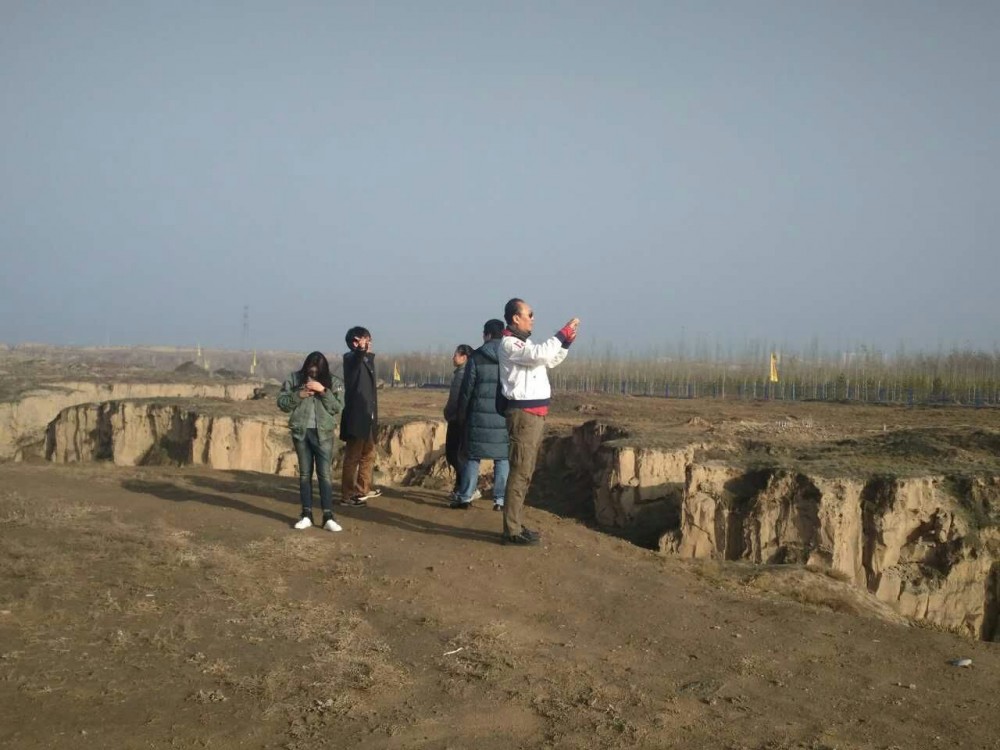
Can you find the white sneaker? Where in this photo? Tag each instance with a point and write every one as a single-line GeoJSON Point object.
{"type": "Point", "coordinates": [304, 523]}
{"type": "Point", "coordinates": [475, 495]}
{"type": "Point", "coordinates": [332, 525]}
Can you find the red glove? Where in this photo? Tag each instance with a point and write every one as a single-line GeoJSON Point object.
{"type": "Point", "coordinates": [567, 334]}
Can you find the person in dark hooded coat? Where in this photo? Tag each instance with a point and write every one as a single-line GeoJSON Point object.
{"type": "Point", "coordinates": [453, 438]}
{"type": "Point", "coordinates": [484, 428]}
{"type": "Point", "coordinates": [359, 420]}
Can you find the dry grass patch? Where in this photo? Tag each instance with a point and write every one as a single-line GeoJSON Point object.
{"type": "Point", "coordinates": [811, 586]}
{"type": "Point", "coordinates": [480, 653]}
{"type": "Point", "coordinates": [583, 711]}
{"type": "Point", "coordinates": [153, 597]}
{"type": "Point", "coordinates": [17, 510]}
{"type": "Point", "coordinates": [348, 651]}
{"type": "Point", "coordinates": [246, 583]}
{"type": "Point", "coordinates": [14, 508]}
{"type": "Point", "coordinates": [819, 589]}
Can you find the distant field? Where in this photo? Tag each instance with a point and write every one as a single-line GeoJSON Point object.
{"type": "Point", "coordinates": [958, 377]}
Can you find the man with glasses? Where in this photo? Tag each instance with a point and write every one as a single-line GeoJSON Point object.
{"type": "Point", "coordinates": [524, 385]}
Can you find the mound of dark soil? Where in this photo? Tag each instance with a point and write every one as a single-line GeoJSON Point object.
{"type": "Point", "coordinates": [190, 368]}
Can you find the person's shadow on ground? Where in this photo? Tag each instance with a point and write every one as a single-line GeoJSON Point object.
{"type": "Point", "coordinates": [283, 489]}
{"type": "Point", "coordinates": [383, 515]}
{"type": "Point", "coordinates": [179, 494]}
{"type": "Point", "coordinates": [383, 510]}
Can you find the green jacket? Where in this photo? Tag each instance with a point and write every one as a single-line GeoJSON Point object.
{"type": "Point", "coordinates": [329, 404]}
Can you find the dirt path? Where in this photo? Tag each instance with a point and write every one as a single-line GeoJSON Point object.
{"type": "Point", "coordinates": [147, 608]}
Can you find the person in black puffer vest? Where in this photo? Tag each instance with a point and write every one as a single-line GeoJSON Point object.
{"type": "Point", "coordinates": [485, 429]}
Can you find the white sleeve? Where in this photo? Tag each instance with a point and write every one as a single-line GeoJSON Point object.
{"type": "Point", "coordinates": [559, 357]}
{"type": "Point", "coordinates": [549, 353]}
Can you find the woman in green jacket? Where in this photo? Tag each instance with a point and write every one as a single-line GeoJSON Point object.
{"type": "Point", "coordinates": [313, 405]}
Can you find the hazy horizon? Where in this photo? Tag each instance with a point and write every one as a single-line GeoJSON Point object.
{"type": "Point", "coordinates": [669, 172]}
{"type": "Point", "coordinates": [752, 351]}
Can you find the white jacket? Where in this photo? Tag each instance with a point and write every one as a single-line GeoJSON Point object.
{"type": "Point", "coordinates": [523, 379]}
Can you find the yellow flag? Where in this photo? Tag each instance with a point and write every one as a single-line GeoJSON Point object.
{"type": "Point", "coordinates": [396, 378]}
{"type": "Point", "coordinates": [774, 367]}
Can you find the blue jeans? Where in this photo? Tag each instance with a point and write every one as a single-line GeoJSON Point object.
{"type": "Point", "coordinates": [470, 478]}
{"type": "Point", "coordinates": [317, 451]}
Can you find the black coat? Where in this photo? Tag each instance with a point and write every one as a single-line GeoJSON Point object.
{"type": "Point", "coordinates": [360, 416]}
{"type": "Point", "coordinates": [485, 428]}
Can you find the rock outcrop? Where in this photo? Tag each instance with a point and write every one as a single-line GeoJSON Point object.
{"type": "Point", "coordinates": [136, 433]}
{"type": "Point", "coordinates": [23, 422]}
{"type": "Point", "coordinates": [632, 488]}
{"type": "Point", "coordinates": [131, 433]}
{"type": "Point", "coordinates": [909, 542]}
{"type": "Point", "coordinates": [410, 450]}
{"type": "Point", "coordinates": [929, 547]}
{"type": "Point", "coordinates": [636, 486]}
{"type": "Point", "coordinates": [762, 516]}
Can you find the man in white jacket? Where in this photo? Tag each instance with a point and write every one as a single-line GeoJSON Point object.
{"type": "Point", "coordinates": [524, 384]}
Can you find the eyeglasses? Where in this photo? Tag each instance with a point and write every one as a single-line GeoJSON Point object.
{"type": "Point", "coordinates": [529, 315]}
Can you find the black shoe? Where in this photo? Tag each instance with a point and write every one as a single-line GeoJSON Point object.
{"type": "Point", "coordinates": [520, 539]}
{"type": "Point", "coordinates": [459, 504]}
{"type": "Point", "coordinates": [373, 492]}
{"type": "Point", "coordinates": [358, 501]}
{"type": "Point", "coordinates": [497, 506]}
{"type": "Point", "coordinates": [531, 534]}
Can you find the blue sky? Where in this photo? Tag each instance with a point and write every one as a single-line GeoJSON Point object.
{"type": "Point", "coordinates": [724, 170]}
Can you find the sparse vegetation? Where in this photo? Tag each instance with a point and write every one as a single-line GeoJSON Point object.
{"type": "Point", "coordinates": [135, 600]}
{"type": "Point", "coordinates": [865, 374]}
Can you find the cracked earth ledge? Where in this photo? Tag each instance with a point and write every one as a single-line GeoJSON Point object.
{"type": "Point", "coordinates": [927, 546]}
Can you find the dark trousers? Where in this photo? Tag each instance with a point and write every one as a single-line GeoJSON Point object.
{"type": "Point", "coordinates": [359, 460]}
{"type": "Point", "coordinates": [314, 450]}
{"type": "Point", "coordinates": [453, 451]}
{"type": "Point", "coordinates": [525, 431]}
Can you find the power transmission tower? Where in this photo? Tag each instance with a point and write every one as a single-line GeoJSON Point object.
{"type": "Point", "coordinates": [245, 344]}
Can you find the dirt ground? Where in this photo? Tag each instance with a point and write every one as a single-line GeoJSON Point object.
{"type": "Point", "coordinates": [170, 607]}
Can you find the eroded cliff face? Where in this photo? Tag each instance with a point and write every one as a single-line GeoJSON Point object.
{"type": "Point", "coordinates": [138, 433]}
{"type": "Point", "coordinates": [728, 513]}
{"type": "Point", "coordinates": [909, 542]}
{"type": "Point", "coordinates": [411, 451]}
{"type": "Point", "coordinates": [633, 488]}
{"type": "Point", "coordinates": [130, 433]}
{"type": "Point", "coordinates": [23, 423]}
{"type": "Point", "coordinates": [631, 480]}
{"type": "Point", "coordinates": [929, 547]}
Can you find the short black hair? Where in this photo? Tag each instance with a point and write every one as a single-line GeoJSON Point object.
{"type": "Point", "coordinates": [357, 332]}
{"type": "Point", "coordinates": [464, 349]}
{"type": "Point", "coordinates": [493, 328]}
{"type": "Point", "coordinates": [512, 308]}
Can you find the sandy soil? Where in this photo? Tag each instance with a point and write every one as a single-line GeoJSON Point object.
{"type": "Point", "coordinates": [157, 607]}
